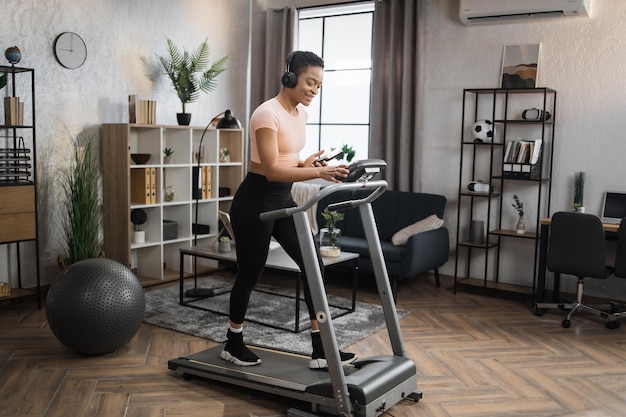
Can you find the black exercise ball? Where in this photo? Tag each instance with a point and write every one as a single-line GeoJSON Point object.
{"type": "Point", "coordinates": [95, 306]}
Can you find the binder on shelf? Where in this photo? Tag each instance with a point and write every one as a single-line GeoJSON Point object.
{"type": "Point", "coordinates": [206, 182]}
{"type": "Point", "coordinates": [201, 184]}
{"type": "Point", "coordinates": [153, 185]}
{"type": "Point", "coordinates": [141, 185]}
{"type": "Point", "coordinates": [196, 183]}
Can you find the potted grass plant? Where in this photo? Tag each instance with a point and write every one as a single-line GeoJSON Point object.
{"type": "Point", "coordinates": [82, 216]}
{"type": "Point", "coordinates": [190, 74]}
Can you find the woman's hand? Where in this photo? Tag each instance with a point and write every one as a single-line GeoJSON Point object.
{"type": "Point", "coordinates": [312, 160]}
{"type": "Point", "coordinates": [334, 173]}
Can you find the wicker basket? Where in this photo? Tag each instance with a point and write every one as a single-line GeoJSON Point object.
{"type": "Point", "coordinates": [5, 289]}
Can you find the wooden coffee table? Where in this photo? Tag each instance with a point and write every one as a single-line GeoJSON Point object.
{"type": "Point", "coordinates": [277, 259]}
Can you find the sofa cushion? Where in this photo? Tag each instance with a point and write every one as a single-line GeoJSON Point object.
{"type": "Point", "coordinates": [431, 222]}
{"type": "Point", "coordinates": [358, 245]}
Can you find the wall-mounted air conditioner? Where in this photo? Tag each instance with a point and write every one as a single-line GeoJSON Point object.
{"type": "Point", "coordinates": [475, 12]}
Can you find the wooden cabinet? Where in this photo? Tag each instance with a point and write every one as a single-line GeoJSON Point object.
{"type": "Point", "coordinates": [165, 191]}
{"type": "Point", "coordinates": [18, 218]}
{"type": "Point", "coordinates": [488, 261]}
{"type": "Point", "coordinates": [18, 175]}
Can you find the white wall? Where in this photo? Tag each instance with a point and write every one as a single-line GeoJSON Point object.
{"type": "Point", "coordinates": [119, 34]}
{"type": "Point", "coordinates": [580, 58]}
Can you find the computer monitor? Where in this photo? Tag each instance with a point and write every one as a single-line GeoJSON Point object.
{"type": "Point", "coordinates": [613, 207]}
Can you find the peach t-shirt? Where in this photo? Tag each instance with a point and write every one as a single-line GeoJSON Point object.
{"type": "Point", "coordinates": [290, 130]}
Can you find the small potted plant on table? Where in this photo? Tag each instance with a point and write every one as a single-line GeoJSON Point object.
{"type": "Point", "coordinates": [330, 235]}
{"type": "Point", "coordinates": [223, 244]}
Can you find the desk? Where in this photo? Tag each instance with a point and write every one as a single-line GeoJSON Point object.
{"type": "Point", "coordinates": [543, 255]}
{"type": "Point", "coordinates": [276, 259]}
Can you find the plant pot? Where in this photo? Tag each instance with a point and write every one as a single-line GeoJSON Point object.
{"type": "Point", "coordinates": [139, 236]}
{"type": "Point", "coordinates": [223, 247]}
{"type": "Point", "coordinates": [183, 118]}
{"type": "Point", "coordinates": [167, 160]}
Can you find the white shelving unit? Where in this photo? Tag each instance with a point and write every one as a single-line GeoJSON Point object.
{"type": "Point", "coordinates": [157, 258]}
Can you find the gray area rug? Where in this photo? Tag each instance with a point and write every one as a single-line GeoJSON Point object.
{"type": "Point", "coordinates": [278, 309]}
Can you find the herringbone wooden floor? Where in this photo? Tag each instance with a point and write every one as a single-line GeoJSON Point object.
{"type": "Point", "coordinates": [476, 356]}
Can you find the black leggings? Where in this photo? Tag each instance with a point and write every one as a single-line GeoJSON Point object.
{"type": "Point", "coordinates": [252, 237]}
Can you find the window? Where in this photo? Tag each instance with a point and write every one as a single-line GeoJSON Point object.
{"type": "Point", "coordinates": [342, 36]}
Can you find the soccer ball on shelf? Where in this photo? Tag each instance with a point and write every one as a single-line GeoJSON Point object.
{"type": "Point", "coordinates": [483, 131]}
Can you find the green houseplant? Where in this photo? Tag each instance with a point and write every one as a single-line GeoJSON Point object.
{"type": "Point", "coordinates": [331, 234]}
{"type": "Point", "coordinates": [348, 152]}
{"type": "Point", "coordinates": [579, 190]}
{"type": "Point", "coordinates": [167, 155]}
{"type": "Point", "coordinates": [190, 74]}
{"type": "Point", "coordinates": [80, 188]}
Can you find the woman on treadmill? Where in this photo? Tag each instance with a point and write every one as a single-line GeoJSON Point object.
{"type": "Point", "coordinates": [277, 135]}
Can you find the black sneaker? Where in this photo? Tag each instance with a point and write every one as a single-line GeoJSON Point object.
{"type": "Point", "coordinates": [236, 352]}
{"type": "Point", "coordinates": [318, 358]}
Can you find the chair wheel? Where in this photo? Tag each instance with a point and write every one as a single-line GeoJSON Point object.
{"type": "Point", "coordinates": [613, 324]}
{"type": "Point", "coordinates": [566, 323]}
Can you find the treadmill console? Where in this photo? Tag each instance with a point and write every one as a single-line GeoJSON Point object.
{"type": "Point", "coordinates": [365, 170]}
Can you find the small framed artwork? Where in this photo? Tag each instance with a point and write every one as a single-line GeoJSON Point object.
{"type": "Point", "coordinates": [520, 65]}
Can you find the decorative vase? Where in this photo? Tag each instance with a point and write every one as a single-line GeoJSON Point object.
{"type": "Point", "coordinates": [330, 242]}
{"type": "Point", "coordinates": [168, 194]}
{"type": "Point", "coordinates": [183, 118]}
{"type": "Point", "coordinates": [139, 236]}
{"type": "Point", "coordinates": [520, 228]}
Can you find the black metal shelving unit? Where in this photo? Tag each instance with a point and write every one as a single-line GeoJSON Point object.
{"type": "Point", "coordinates": [18, 175]}
{"type": "Point", "coordinates": [478, 265]}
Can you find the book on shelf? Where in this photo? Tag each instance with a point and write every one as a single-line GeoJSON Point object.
{"type": "Point", "coordinates": [141, 111]}
{"type": "Point", "coordinates": [13, 111]}
{"type": "Point", "coordinates": [522, 159]}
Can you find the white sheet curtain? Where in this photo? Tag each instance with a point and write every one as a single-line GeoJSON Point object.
{"type": "Point", "coordinates": [397, 91]}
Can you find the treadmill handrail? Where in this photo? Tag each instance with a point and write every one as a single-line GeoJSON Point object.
{"type": "Point", "coordinates": [379, 187]}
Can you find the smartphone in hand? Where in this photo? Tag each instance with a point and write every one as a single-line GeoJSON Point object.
{"type": "Point", "coordinates": [330, 156]}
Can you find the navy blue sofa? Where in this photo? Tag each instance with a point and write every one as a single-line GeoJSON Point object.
{"type": "Point", "coordinates": [394, 210]}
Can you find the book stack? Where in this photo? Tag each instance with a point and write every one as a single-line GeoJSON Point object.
{"type": "Point", "coordinates": [143, 185]}
{"type": "Point", "coordinates": [522, 159]}
{"type": "Point", "coordinates": [13, 111]}
{"type": "Point", "coordinates": [141, 112]}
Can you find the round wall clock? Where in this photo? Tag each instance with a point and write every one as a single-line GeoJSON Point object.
{"type": "Point", "coordinates": [70, 50]}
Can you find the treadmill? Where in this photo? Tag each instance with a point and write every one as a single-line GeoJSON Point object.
{"type": "Point", "coordinates": [367, 387]}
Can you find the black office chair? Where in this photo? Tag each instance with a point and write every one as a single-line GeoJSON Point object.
{"type": "Point", "coordinates": [577, 247]}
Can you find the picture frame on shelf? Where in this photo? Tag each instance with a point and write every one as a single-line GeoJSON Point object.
{"type": "Point", "coordinates": [520, 65]}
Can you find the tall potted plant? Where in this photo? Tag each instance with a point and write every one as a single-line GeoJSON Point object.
{"type": "Point", "coordinates": [190, 73]}
{"type": "Point", "coordinates": [80, 187]}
